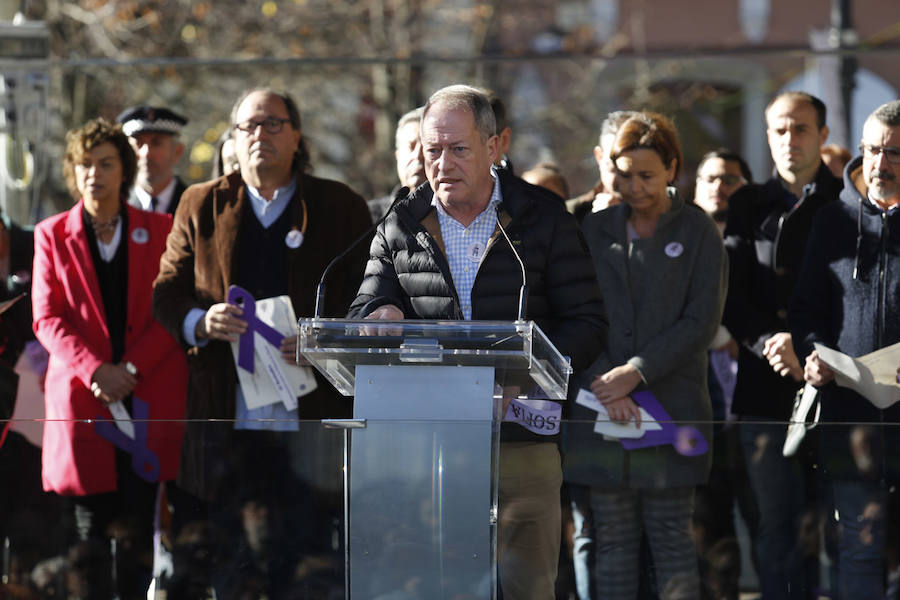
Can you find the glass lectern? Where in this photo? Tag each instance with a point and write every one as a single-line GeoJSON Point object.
{"type": "Point", "coordinates": [422, 448]}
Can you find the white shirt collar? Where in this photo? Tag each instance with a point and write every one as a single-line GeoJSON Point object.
{"type": "Point", "coordinates": [163, 199]}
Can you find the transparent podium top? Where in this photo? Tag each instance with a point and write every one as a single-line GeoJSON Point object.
{"type": "Point", "coordinates": [526, 364]}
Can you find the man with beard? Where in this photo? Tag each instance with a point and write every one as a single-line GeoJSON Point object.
{"type": "Point", "coordinates": [848, 298]}
{"type": "Point", "coordinates": [154, 134]}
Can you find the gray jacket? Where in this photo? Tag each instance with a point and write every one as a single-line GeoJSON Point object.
{"type": "Point", "coordinates": [664, 296]}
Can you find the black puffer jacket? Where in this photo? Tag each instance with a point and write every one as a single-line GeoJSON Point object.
{"type": "Point", "coordinates": [856, 315]}
{"type": "Point", "coordinates": [408, 268]}
{"type": "Point", "coordinates": [766, 240]}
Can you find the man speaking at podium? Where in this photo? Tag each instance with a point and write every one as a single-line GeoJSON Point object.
{"type": "Point", "coordinates": [441, 254]}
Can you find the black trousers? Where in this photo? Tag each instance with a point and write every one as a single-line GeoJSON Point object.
{"type": "Point", "coordinates": [114, 536]}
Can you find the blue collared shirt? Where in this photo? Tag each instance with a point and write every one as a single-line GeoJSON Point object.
{"type": "Point", "coordinates": [268, 211]}
{"type": "Point", "coordinates": [465, 246]}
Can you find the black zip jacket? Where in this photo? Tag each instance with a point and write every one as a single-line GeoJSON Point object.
{"type": "Point", "coordinates": [408, 268]}
{"type": "Point", "coordinates": [848, 298]}
{"type": "Point", "coordinates": [766, 240]}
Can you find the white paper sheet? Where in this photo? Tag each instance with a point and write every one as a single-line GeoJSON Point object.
{"type": "Point", "coordinates": [273, 380]}
{"type": "Point", "coordinates": [873, 376]}
{"type": "Point", "coordinates": [122, 418]}
{"type": "Point", "coordinates": [609, 428]}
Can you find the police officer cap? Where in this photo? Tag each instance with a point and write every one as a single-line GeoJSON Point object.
{"type": "Point", "coordinates": [141, 119]}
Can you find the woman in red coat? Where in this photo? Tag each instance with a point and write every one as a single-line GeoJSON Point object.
{"type": "Point", "coordinates": [94, 268]}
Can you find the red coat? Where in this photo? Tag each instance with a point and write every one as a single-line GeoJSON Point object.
{"type": "Point", "coordinates": [69, 321]}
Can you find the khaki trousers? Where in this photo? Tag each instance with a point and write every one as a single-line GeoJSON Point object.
{"type": "Point", "coordinates": [529, 520]}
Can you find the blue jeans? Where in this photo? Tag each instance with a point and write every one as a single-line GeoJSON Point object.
{"type": "Point", "coordinates": [786, 569]}
{"type": "Point", "coordinates": [861, 509]}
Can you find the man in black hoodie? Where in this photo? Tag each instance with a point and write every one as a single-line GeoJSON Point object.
{"type": "Point", "coordinates": [848, 298]}
{"type": "Point", "coordinates": [766, 233]}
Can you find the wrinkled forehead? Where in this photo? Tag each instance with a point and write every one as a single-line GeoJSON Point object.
{"type": "Point", "coordinates": [443, 120]}
{"type": "Point", "coordinates": [260, 104]}
{"type": "Point", "coordinates": [876, 133]}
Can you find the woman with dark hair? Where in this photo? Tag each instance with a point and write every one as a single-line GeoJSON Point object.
{"type": "Point", "coordinates": [94, 267]}
{"type": "Point", "coordinates": [662, 268]}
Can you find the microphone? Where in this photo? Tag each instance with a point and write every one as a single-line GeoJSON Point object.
{"type": "Point", "coordinates": [523, 291]}
{"type": "Point", "coordinates": [402, 193]}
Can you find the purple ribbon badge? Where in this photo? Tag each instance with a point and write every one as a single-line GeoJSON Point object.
{"type": "Point", "coordinates": [244, 299]}
{"type": "Point", "coordinates": [143, 460]}
{"type": "Point", "coordinates": [687, 440]}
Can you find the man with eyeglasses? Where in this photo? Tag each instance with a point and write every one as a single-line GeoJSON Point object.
{"type": "Point", "coordinates": [270, 228]}
{"type": "Point", "coordinates": [719, 174]}
{"type": "Point", "coordinates": [848, 299]}
{"type": "Point", "coordinates": [766, 233]}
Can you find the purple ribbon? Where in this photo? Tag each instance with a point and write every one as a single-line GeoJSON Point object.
{"type": "Point", "coordinates": [143, 460]}
{"type": "Point", "coordinates": [244, 299]}
{"type": "Point", "coordinates": [687, 440]}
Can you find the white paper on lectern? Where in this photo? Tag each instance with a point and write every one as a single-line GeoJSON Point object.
{"type": "Point", "coordinates": [609, 428]}
{"type": "Point", "coordinates": [873, 376]}
{"type": "Point", "coordinates": [273, 380]}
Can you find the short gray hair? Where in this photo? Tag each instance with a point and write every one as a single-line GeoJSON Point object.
{"type": "Point", "coordinates": [613, 121]}
{"type": "Point", "coordinates": [413, 116]}
{"type": "Point", "coordinates": [888, 114]}
{"type": "Point", "coordinates": [468, 98]}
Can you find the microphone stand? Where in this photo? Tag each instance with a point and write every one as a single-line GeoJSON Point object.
{"type": "Point", "coordinates": [402, 193]}
{"type": "Point", "coordinates": [523, 291]}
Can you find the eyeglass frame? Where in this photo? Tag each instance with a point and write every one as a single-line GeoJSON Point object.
{"type": "Point", "coordinates": [869, 150]}
{"type": "Point", "coordinates": [271, 125]}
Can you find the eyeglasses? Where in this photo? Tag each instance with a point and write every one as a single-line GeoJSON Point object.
{"type": "Point", "coordinates": [891, 153]}
{"type": "Point", "coordinates": [726, 179]}
{"type": "Point", "coordinates": [271, 125]}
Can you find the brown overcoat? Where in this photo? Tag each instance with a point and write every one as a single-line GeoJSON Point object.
{"type": "Point", "coordinates": [198, 266]}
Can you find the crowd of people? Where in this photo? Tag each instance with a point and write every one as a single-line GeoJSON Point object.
{"type": "Point", "coordinates": [165, 474]}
